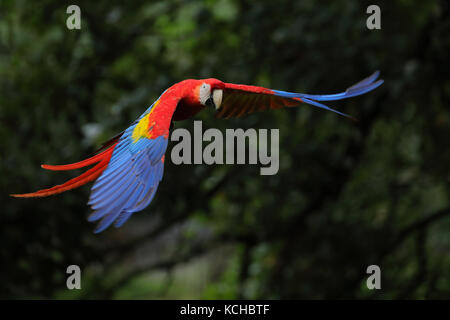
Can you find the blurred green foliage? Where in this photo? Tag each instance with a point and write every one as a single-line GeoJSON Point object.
{"type": "Point", "coordinates": [347, 195]}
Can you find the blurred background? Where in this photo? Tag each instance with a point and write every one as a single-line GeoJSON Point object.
{"type": "Point", "coordinates": [347, 195]}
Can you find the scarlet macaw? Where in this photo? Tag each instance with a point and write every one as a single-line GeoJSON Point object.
{"type": "Point", "coordinates": [130, 166]}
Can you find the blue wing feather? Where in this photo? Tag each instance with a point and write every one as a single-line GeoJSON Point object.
{"type": "Point", "coordinates": [130, 181]}
{"type": "Point", "coordinates": [364, 86]}
{"type": "Point", "coordinates": [118, 195]}
{"type": "Point", "coordinates": [122, 218]}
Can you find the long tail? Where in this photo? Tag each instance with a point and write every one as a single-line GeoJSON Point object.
{"type": "Point", "coordinates": [102, 160]}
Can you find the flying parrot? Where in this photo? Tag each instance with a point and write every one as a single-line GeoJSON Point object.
{"type": "Point", "coordinates": [129, 167]}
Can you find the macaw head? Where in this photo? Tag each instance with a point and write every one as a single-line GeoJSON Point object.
{"type": "Point", "coordinates": [195, 95]}
{"type": "Point", "coordinates": [209, 92]}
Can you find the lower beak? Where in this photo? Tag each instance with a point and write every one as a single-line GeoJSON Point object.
{"type": "Point", "coordinates": [210, 102]}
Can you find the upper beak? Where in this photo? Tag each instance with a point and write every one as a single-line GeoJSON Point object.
{"type": "Point", "coordinates": [217, 98]}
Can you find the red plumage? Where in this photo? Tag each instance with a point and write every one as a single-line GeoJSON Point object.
{"type": "Point", "coordinates": [130, 184]}
{"type": "Point", "coordinates": [102, 160]}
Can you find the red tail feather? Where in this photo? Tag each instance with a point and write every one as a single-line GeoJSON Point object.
{"type": "Point", "coordinates": [77, 165]}
{"type": "Point", "coordinates": [102, 160]}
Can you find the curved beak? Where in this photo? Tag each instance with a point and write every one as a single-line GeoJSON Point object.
{"type": "Point", "coordinates": [217, 98]}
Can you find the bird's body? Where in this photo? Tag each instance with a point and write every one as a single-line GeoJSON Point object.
{"type": "Point", "coordinates": [129, 167]}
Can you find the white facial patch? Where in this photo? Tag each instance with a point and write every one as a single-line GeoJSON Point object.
{"type": "Point", "coordinates": [205, 93]}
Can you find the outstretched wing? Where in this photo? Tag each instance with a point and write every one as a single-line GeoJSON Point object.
{"type": "Point", "coordinates": [131, 179]}
{"type": "Point", "coordinates": [239, 100]}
